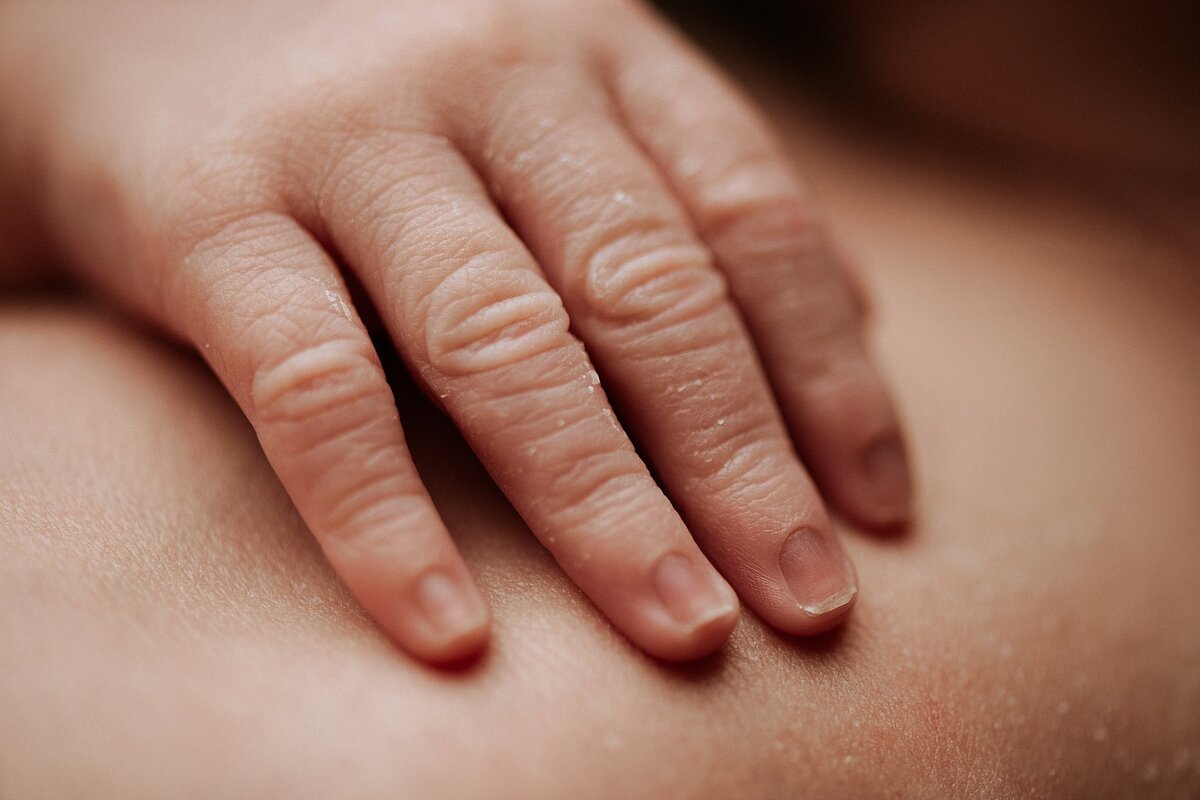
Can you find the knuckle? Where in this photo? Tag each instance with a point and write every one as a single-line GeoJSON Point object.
{"type": "Point", "coordinates": [374, 501]}
{"type": "Point", "coordinates": [751, 174]}
{"type": "Point", "coordinates": [597, 491]}
{"type": "Point", "coordinates": [381, 169]}
{"type": "Point", "coordinates": [634, 279]}
{"type": "Point", "coordinates": [752, 466]}
{"type": "Point", "coordinates": [214, 192]}
{"type": "Point", "coordinates": [822, 320]}
{"type": "Point", "coordinates": [750, 470]}
{"type": "Point", "coordinates": [768, 228]}
{"type": "Point", "coordinates": [481, 318]}
{"type": "Point", "coordinates": [838, 370]}
{"type": "Point", "coordinates": [237, 236]}
{"type": "Point", "coordinates": [595, 481]}
{"type": "Point", "coordinates": [822, 325]}
{"type": "Point", "coordinates": [218, 251]}
{"type": "Point", "coordinates": [723, 446]}
{"type": "Point", "coordinates": [784, 272]}
{"type": "Point", "coordinates": [319, 392]}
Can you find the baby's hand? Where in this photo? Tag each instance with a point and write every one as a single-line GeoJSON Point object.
{"type": "Point", "coordinates": [532, 193]}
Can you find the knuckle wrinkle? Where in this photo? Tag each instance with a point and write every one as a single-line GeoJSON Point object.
{"type": "Point", "coordinates": [478, 322]}
{"type": "Point", "coordinates": [315, 383]}
{"type": "Point", "coordinates": [629, 281]}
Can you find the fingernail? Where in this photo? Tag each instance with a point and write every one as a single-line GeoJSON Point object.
{"type": "Point", "coordinates": [692, 595]}
{"type": "Point", "coordinates": [450, 609]}
{"type": "Point", "coordinates": [886, 469]}
{"type": "Point", "coordinates": [817, 572]}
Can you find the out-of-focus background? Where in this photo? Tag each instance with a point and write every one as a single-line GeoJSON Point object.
{"type": "Point", "coordinates": [1070, 81]}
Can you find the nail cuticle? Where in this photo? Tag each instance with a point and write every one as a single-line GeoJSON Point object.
{"type": "Point", "coordinates": [886, 476]}
{"type": "Point", "coordinates": [448, 611]}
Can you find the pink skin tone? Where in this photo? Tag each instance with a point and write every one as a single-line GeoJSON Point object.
{"type": "Point", "coordinates": [552, 205]}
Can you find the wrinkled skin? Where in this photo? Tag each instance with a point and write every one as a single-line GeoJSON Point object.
{"type": "Point", "coordinates": [508, 182]}
{"type": "Point", "coordinates": [167, 627]}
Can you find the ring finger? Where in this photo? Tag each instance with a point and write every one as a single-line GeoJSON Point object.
{"type": "Point", "coordinates": [479, 326]}
{"type": "Point", "coordinates": [644, 296]}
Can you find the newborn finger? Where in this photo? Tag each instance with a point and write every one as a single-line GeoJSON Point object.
{"type": "Point", "coordinates": [477, 322]}
{"type": "Point", "coordinates": [653, 312]}
{"type": "Point", "coordinates": [270, 313]}
{"type": "Point", "coordinates": [792, 290]}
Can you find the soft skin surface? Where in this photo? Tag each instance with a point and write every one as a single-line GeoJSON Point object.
{"type": "Point", "coordinates": [168, 628]}
{"type": "Point", "coordinates": [508, 181]}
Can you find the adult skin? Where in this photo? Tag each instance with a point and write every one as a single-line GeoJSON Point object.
{"type": "Point", "coordinates": [168, 628]}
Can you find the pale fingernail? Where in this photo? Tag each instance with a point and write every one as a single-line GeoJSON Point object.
{"type": "Point", "coordinates": [817, 572]}
{"type": "Point", "coordinates": [885, 467]}
{"type": "Point", "coordinates": [694, 596]}
{"type": "Point", "coordinates": [451, 610]}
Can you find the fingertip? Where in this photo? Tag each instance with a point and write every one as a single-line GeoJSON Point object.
{"type": "Point", "coordinates": [697, 610]}
{"type": "Point", "coordinates": [887, 482]}
{"type": "Point", "coordinates": [850, 437]}
{"type": "Point", "coordinates": [874, 489]}
{"type": "Point", "coordinates": [703, 637]}
{"type": "Point", "coordinates": [464, 647]}
{"type": "Point", "coordinates": [446, 621]}
{"type": "Point", "coordinates": [830, 619]}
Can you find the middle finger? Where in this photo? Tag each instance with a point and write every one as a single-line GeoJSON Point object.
{"type": "Point", "coordinates": [643, 295]}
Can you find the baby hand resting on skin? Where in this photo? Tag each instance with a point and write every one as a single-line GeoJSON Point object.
{"type": "Point", "coordinates": [557, 207]}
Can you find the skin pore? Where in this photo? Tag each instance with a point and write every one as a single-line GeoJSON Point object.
{"type": "Point", "coordinates": [169, 626]}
